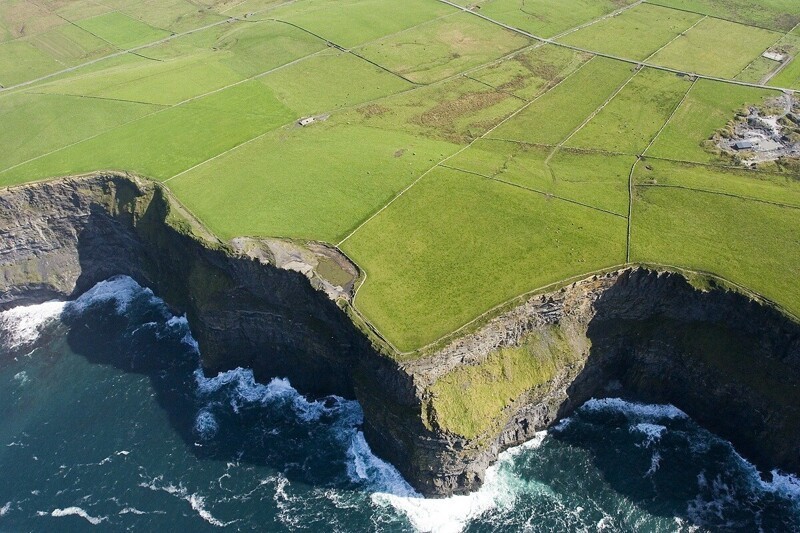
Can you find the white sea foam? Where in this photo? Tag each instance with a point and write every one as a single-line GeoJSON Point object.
{"type": "Point", "coordinates": [205, 425]}
{"type": "Point", "coordinates": [181, 322]}
{"type": "Point", "coordinates": [120, 289]}
{"type": "Point", "coordinates": [653, 432]}
{"type": "Point", "coordinates": [655, 462]}
{"type": "Point", "coordinates": [787, 485]}
{"type": "Point", "coordinates": [783, 484]}
{"type": "Point", "coordinates": [637, 410]}
{"type": "Point", "coordinates": [196, 501]}
{"type": "Point", "coordinates": [446, 515]}
{"type": "Point", "coordinates": [245, 390]}
{"type": "Point", "coordinates": [22, 325]}
{"type": "Point", "coordinates": [77, 511]}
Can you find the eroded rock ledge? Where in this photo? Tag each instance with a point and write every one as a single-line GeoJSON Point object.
{"type": "Point", "coordinates": [729, 362]}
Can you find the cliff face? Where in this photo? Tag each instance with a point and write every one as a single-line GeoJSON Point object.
{"type": "Point", "coordinates": [57, 239]}
{"type": "Point", "coordinates": [730, 363]}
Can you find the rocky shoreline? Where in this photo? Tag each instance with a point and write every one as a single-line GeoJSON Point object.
{"type": "Point", "coordinates": [728, 361]}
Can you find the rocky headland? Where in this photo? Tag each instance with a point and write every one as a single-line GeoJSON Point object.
{"type": "Point", "coordinates": [727, 359]}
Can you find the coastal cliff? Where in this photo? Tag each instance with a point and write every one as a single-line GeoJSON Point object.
{"type": "Point", "coordinates": [727, 360]}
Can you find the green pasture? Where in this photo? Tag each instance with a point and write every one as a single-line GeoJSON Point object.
{"type": "Point", "coordinates": [750, 243]}
{"type": "Point", "coordinates": [75, 10]}
{"type": "Point", "coordinates": [22, 18]}
{"type": "Point", "coordinates": [443, 47]}
{"type": "Point", "coordinates": [631, 120]}
{"type": "Point", "coordinates": [528, 73]}
{"type": "Point", "coordinates": [595, 179]}
{"type": "Point", "coordinates": [162, 144]}
{"type": "Point", "coordinates": [331, 80]}
{"type": "Point", "coordinates": [456, 245]}
{"type": "Point", "coordinates": [209, 61]}
{"type": "Point", "coordinates": [455, 111]}
{"type": "Point", "coordinates": [774, 188]}
{"type": "Point", "coordinates": [259, 189]}
{"type": "Point", "coordinates": [22, 61]}
{"type": "Point", "coordinates": [546, 18]}
{"type": "Point", "coordinates": [636, 33]}
{"type": "Point", "coordinates": [48, 51]}
{"type": "Point", "coordinates": [552, 117]}
{"type": "Point", "coordinates": [121, 30]}
{"type": "Point", "coordinates": [248, 48]}
{"type": "Point", "coordinates": [173, 15]}
{"type": "Point", "coordinates": [35, 125]}
{"type": "Point", "coordinates": [350, 23]}
{"type": "Point", "coordinates": [758, 70]}
{"type": "Point", "coordinates": [70, 45]}
{"type": "Point", "coordinates": [708, 107]}
{"type": "Point", "coordinates": [780, 15]}
{"type": "Point", "coordinates": [163, 83]}
{"type": "Point", "coordinates": [716, 47]}
{"type": "Point", "coordinates": [789, 75]}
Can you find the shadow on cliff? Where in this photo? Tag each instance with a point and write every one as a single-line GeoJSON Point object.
{"type": "Point", "coordinates": [241, 312]}
{"type": "Point", "coordinates": [731, 364]}
{"type": "Point", "coordinates": [263, 431]}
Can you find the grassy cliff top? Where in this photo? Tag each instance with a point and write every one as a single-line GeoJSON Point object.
{"type": "Point", "coordinates": [461, 153]}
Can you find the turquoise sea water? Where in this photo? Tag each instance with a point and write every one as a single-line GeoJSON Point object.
{"type": "Point", "coordinates": [108, 424]}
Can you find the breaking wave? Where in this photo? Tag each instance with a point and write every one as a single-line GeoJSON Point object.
{"type": "Point", "coordinates": [20, 327]}
{"type": "Point", "coordinates": [77, 511]}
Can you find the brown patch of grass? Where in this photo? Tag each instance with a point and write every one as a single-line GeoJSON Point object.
{"type": "Point", "coordinates": [373, 110]}
{"type": "Point", "coordinates": [444, 115]}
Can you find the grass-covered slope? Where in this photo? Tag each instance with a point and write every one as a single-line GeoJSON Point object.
{"type": "Point", "coordinates": [460, 161]}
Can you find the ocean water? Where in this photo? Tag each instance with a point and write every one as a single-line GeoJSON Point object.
{"type": "Point", "coordinates": [108, 424]}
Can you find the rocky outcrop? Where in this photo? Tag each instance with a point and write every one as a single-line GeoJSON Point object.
{"type": "Point", "coordinates": [727, 360]}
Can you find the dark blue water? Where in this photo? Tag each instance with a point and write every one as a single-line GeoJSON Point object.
{"type": "Point", "coordinates": [108, 424]}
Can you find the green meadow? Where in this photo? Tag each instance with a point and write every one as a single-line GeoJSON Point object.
{"type": "Point", "coordinates": [716, 48]}
{"type": "Point", "coordinates": [637, 33]}
{"type": "Point", "coordinates": [459, 162]}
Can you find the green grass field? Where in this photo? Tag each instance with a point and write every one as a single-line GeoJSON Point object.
{"type": "Point", "coordinates": [256, 190]}
{"type": "Point", "coordinates": [552, 117]}
{"type": "Point", "coordinates": [427, 276]}
{"type": "Point", "coordinates": [716, 48]}
{"type": "Point", "coordinates": [636, 33]}
{"type": "Point", "coordinates": [747, 242]}
{"type": "Point", "coordinates": [596, 179]}
{"type": "Point", "coordinates": [773, 188]}
{"type": "Point", "coordinates": [121, 30]}
{"type": "Point", "coordinates": [547, 18]}
{"type": "Point", "coordinates": [632, 119]}
{"type": "Point", "coordinates": [708, 107]}
{"type": "Point", "coordinates": [443, 47]}
{"type": "Point", "coordinates": [780, 15]}
{"type": "Point", "coordinates": [458, 162]}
